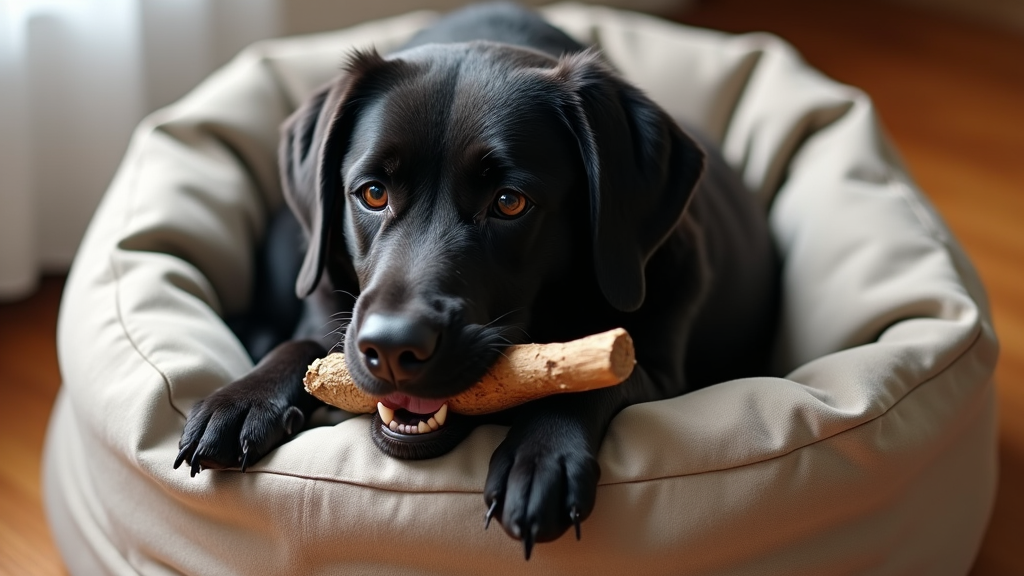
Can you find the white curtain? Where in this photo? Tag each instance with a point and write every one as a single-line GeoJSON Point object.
{"type": "Point", "coordinates": [75, 77]}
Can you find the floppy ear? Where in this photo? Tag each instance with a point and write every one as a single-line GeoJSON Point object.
{"type": "Point", "coordinates": [313, 144]}
{"type": "Point", "coordinates": [641, 171]}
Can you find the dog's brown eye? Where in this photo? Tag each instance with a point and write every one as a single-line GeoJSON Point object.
{"type": "Point", "coordinates": [510, 204]}
{"type": "Point", "coordinates": [375, 196]}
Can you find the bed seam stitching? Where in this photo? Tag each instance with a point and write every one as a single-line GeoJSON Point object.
{"type": "Point", "coordinates": [118, 275]}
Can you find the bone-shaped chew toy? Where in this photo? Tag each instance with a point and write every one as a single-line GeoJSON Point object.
{"type": "Point", "coordinates": [522, 373]}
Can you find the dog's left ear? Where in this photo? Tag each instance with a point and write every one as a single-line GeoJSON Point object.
{"type": "Point", "coordinates": [641, 171]}
{"type": "Point", "coordinates": [314, 140]}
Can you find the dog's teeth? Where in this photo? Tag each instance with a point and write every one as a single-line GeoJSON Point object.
{"type": "Point", "coordinates": [387, 415]}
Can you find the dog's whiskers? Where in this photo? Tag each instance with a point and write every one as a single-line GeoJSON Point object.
{"type": "Point", "coordinates": [347, 293]}
{"type": "Point", "coordinates": [338, 319]}
{"type": "Point", "coordinates": [503, 316]}
{"type": "Point", "coordinates": [503, 333]}
{"type": "Point", "coordinates": [526, 335]}
{"type": "Point", "coordinates": [340, 330]}
{"type": "Point", "coordinates": [340, 333]}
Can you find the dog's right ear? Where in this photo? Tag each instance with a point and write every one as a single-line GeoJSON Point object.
{"type": "Point", "coordinates": [641, 171]}
{"type": "Point", "coordinates": [313, 144]}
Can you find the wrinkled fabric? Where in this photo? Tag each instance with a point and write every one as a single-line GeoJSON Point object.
{"type": "Point", "coordinates": [871, 449]}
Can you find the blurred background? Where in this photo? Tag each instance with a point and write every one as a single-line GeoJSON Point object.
{"type": "Point", "coordinates": [76, 76]}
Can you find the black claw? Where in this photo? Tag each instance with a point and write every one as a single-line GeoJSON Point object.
{"type": "Point", "coordinates": [196, 467]}
{"type": "Point", "coordinates": [574, 515]}
{"type": "Point", "coordinates": [245, 456]}
{"type": "Point", "coordinates": [490, 513]}
{"type": "Point", "coordinates": [528, 543]}
{"type": "Point", "coordinates": [181, 457]}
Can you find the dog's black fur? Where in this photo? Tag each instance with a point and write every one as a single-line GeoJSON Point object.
{"type": "Point", "coordinates": [627, 222]}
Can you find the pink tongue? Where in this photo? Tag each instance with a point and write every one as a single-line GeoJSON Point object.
{"type": "Point", "coordinates": [412, 404]}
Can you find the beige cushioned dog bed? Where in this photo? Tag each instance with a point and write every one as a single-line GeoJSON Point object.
{"type": "Point", "coordinates": [873, 451]}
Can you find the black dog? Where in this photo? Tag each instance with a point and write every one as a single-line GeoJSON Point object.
{"type": "Point", "coordinates": [495, 182]}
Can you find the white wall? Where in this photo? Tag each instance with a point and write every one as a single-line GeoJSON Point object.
{"type": "Point", "coordinates": [77, 75]}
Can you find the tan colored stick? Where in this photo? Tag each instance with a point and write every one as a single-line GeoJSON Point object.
{"type": "Point", "coordinates": [521, 374]}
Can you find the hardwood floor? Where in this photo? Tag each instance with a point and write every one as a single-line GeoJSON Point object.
{"type": "Point", "coordinates": [29, 379]}
{"type": "Point", "coordinates": [951, 94]}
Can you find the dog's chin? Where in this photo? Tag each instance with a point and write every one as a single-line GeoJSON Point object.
{"type": "Point", "coordinates": [419, 445]}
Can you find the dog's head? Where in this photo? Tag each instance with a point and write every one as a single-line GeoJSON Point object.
{"type": "Point", "coordinates": [453, 185]}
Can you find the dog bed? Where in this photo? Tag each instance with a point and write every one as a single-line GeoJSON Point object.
{"type": "Point", "coordinates": [870, 450]}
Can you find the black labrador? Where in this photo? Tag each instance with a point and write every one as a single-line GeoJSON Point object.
{"type": "Point", "coordinates": [494, 182]}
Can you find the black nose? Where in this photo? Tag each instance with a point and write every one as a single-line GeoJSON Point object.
{"type": "Point", "coordinates": [396, 348]}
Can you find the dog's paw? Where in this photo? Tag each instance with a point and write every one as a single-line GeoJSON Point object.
{"type": "Point", "coordinates": [541, 482]}
{"type": "Point", "coordinates": [234, 427]}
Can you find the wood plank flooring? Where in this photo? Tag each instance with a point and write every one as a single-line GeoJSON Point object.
{"type": "Point", "coordinates": [29, 379]}
{"type": "Point", "coordinates": [950, 92]}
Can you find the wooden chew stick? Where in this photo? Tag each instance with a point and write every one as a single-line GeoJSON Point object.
{"type": "Point", "coordinates": [523, 373]}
